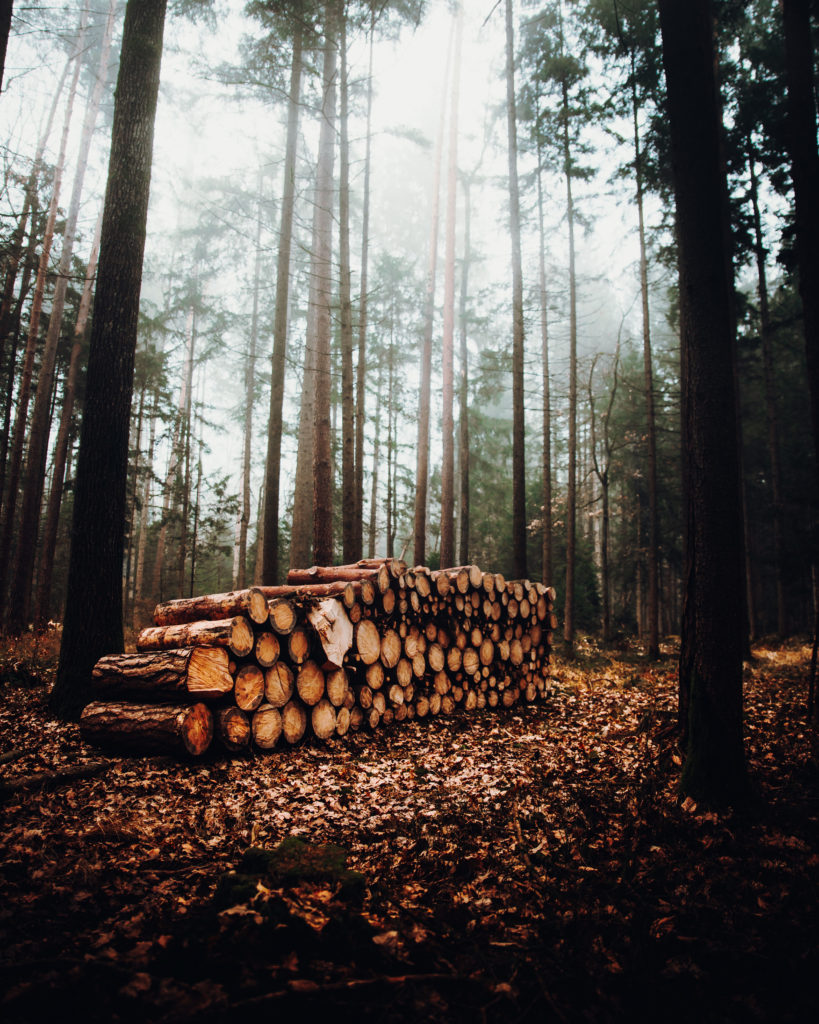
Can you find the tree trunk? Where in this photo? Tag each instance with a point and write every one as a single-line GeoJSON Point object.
{"type": "Point", "coordinates": [546, 529]}
{"type": "Point", "coordinates": [714, 770]}
{"type": "Point", "coordinates": [518, 423]}
{"type": "Point", "coordinates": [322, 274]}
{"type": "Point", "coordinates": [148, 729]}
{"type": "Point", "coordinates": [12, 616]}
{"type": "Point", "coordinates": [571, 487]}
{"type": "Point", "coordinates": [270, 528]}
{"type": "Point", "coordinates": [349, 527]}
{"type": "Point", "coordinates": [653, 643]}
{"type": "Point", "coordinates": [447, 418]}
{"type": "Point", "coordinates": [463, 396]}
{"type": "Point", "coordinates": [422, 453]}
{"type": "Point", "coordinates": [362, 313]}
{"type": "Point", "coordinates": [5, 28]}
{"type": "Point", "coordinates": [55, 496]}
{"type": "Point", "coordinates": [376, 453]}
{"type": "Point", "coordinates": [93, 619]}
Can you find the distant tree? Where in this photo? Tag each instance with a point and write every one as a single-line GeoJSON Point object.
{"type": "Point", "coordinates": [712, 640]}
{"type": "Point", "coordinates": [93, 619]}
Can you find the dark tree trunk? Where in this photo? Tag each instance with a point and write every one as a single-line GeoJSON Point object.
{"type": "Point", "coordinates": [270, 528]}
{"type": "Point", "coordinates": [714, 771]}
{"type": "Point", "coordinates": [349, 526]}
{"type": "Point", "coordinates": [5, 28]}
{"type": "Point", "coordinates": [518, 424]}
{"type": "Point", "coordinates": [546, 532]}
{"type": "Point", "coordinates": [323, 277]}
{"type": "Point", "coordinates": [93, 618]}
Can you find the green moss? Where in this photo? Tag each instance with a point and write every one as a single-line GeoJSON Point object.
{"type": "Point", "coordinates": [294, 860]}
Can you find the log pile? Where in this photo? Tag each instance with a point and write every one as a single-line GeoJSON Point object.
{"type": "Point", "coordinates": [337, 649]}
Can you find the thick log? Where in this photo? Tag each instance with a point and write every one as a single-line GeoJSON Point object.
{"type": "Point", "coordinates": [279, 683]}
{"type": "Point", "coordinates": [266, 650]}
{"type": "Point", "coordinates": [283, 616]}
{"type": "Point", "coordinates": [343, 721]}
{"type": "Point", "coordinates": [267, 726]}
{"type": "Point", "coordinates": [310, 683]}
{"type": "Point", "coordinates": [200, 673]}
{"type": "Point", "coordinates": [248, 690]}
{"type": "Point", "coordinates": [250, 602]}
{"type": "Point", "coordinates": [337, 686]}
{"type": "Point", "coordinates": [231, 728]}
{"type": "Point", "coordinates": [335, 631]}
{"type": "Point", "coordinates": [323, 718]}
{"type": "Point", "coordinates": [236, 634]}
{"type": "Point", "coordinates": [148, 728]}
{"type": "Point", "coordinates": [367, 641]}
{"type": "Point", "coordinates": [390, 648]}
{"type": "Point", "coordinates": [375, 675]}
{"type": "Point", "coordinates": [294, 721]}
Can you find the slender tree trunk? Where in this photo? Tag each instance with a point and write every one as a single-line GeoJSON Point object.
{"type": "Point", "coordinates": [373, 527]}
{"type": "Point", "coordinates": [63, 434]}
{"type": "Point", "coordinates": [93, 620]}
{"type": "Point", "coordinates": [22, 579]}
{"type": "Point", "coordinates": [422, 451]}
{"type": "Point", "coordinates": [714, 770]}
{"type": "Point", "coordinates": [648, 387]}
{"type": "Point", "coordinates": [463, 399]}
{"type": "Point", "coordinates": [447, 419]}
{"type": "Point", "coordinates": [518, 423]}
{"type": "Point", "coordinates": [250, 387]}
{"type": "Point", "coordinates": [323, 277]}
{"type": "Point", "coordinates": [771, 414]}
{"type": "Point", "coordinates": [270, 519]}
{"type": "Point", "coordinates": [185, 459]}
{"type": "Point", "coordinates": [571, 488]}
{"type": "Point", "coordinates": [15, 619]}
{"type": "Point", "coordinates": [546, 535]}
{"type": "Point", "coordinates": [137, 621]}
{"type": "Point", "coordinates": [196, 510]}
{"type": "Point", "coordinates": [361, 369]}
{"type": "Point", "coordinates": [350, 528]}
{"type": "Point", "coordinates": [127, 606]}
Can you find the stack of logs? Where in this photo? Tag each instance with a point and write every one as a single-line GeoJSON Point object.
{"type": "Point", "coordinates": [338, 648]}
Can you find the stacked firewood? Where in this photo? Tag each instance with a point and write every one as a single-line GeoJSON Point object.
{"type": "Point", "coordinates": [338, 649]}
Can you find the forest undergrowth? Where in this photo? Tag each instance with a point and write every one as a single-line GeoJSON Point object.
{"type": "Point", "coordinates": [528, 865]}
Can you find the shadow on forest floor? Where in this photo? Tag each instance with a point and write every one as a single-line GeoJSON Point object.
{"type": "Point", "coordinates": [528, 865]}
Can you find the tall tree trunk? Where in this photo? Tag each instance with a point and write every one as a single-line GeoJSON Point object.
{"type": "Point", "coordinates": [361, 369]}
{"type": "Point", "coordinates": [463, 397]}
{"type": "Point", "coordinates": [270, 518]}
{"type": "Point", "coordinates": [714, 770]}
{"type": "Point", "coordinates": [447, 418]}
{"type": "Point", "coordinates": [22, 579]}
{"type": "Point", "coordinates": [14, 619]}
{"type": "Point", "coordinates": [127, 606]}
{"type": "Point", "coordinates": [185, 457]}
{"type": "Point", "coordinates": [571, 488]}
{"type": "Point", "coordinates": [323, 276]}
{"type": "Point", "coordinates": [350, 529]}
{"type": "Point", "coordinates": [648, 388]}
{"type": "Point", "coordinates": [93, 619]}
{"type": "Point", "coordinates": [5, 28]}
{"type": "Point", "coordinates": [138, 619]}
{"type": "Point", "coordinates": [55, 495]}
{"type": "Point", "coordinates": [373, 526]}
{"type": "Point", "coordinates": [422, 450]}
{"type": "Point", "coordinates": [771, 414]}
{"type": "Point", "coordinates": [240, 575]}
{"type": "Point", "coordinates": [518, 424]}
{"type": "Point", "coordinates": [546, 534]}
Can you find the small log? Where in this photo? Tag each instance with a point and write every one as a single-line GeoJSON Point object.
{"type": "Point", "coordinates": [200, 673]}
{"type": "Point", "coordinates": [343, 721]}
{"type": "Point", "coordinates": [375, 675]}
{"type": "Point", "coordinates": [436, 659]}
{"type": "Point", "coordinates": [266, 649]}
{"type": "Point", "coordinates": [282, 615]}
{"type": "Point", "coordinates": [367, 641]}
{"type": "Point", "coordinates": [267, 726]}
{"type": "Point", "coordinates": [236, 634]}
{"type": "Point", "coordinates": [390, 648]}
{"type": "Point", "coordinates": [148, 728]}
{"type": "Point", "coordinates": [356, 719]}
{"type": "Point", "coordinates": [231, 728]}
{"type": "Point", "coordinates": [248, 690]}
{"type": "Point", "coordinates": [279, 683]}
{"type": "Point", "coordinates": [298, 644]}
{"type": "Point", "coordinates": [310, 683]}
{"type": "Point", "coordinates": [324, 719]}
{"type": "Point", "coordinates": [379, 702]}
{"type": "Point", "coordinates": [337, 686]}
{"type": "Point", "coordinates": [250, 602]}
{"type": "Point", "coordinates": [294, 721]}
{"type": "Point", "coordinates": [364, 696]}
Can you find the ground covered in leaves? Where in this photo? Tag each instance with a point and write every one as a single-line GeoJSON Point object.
{"type": "Point", "coordinates": [533, 864]}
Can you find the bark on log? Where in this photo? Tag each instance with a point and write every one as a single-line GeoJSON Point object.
{"type": "Point", "coordinates": [148, 728]}
{"type": "Point", "coordinates": [200, 673]}
{"type": "Point", "coordinates": [283, 616]}
{"type": "Point", "coordinates": [250, 602]}
{"type": "Point", "coordinates": [266, 649]}
{"type": "Point", "coordinates": [236, 634]}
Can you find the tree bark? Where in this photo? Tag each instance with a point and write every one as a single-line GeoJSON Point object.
{"type": "Point", "coordinates": [463, 392]}
{"type": "Point", "coordinates": [270, 526]}
{"type": "Point", "coordinates": [5, 28]}
{"type": "Point", "coordinates": [518, 422]}
{"type": "Point", "coordinates": [350, 528]}
{"type": "Point", "coordinates": [714, 770]}
{"type": "Point", "coordinates": [93, 620]}
{"type": "Point", "coordinates": [546, 529]}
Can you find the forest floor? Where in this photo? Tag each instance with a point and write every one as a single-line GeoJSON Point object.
{"type": "Point", "coordinates": [529, 865]}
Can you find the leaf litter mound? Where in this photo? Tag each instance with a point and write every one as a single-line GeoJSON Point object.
{"type": "Point", "coordinates": [532, 864]}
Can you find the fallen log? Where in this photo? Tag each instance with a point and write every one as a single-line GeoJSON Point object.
{"type": "Point", "coordinates": [148, 728]}
{"type": "Point", "coordinates": [236, 634]}
{"type": "Point", "coordinates": [197, 672]}
{"type": "Point", "coordinates": [231, 728]}
{"type": "Point", "coordinates": [250, 602]}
